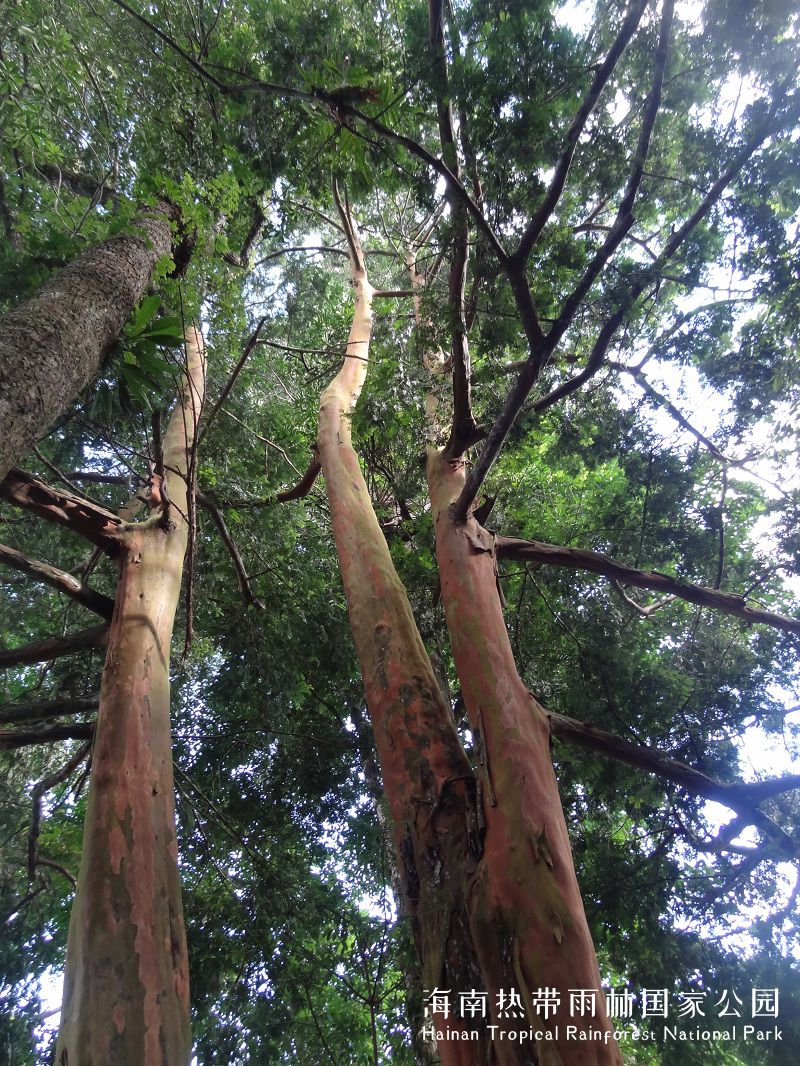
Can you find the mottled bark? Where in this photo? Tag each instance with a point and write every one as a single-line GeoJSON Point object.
{"type": "Point", "coordinates": [54, 343]}
{"type": "Point", "coordinates": [528, 919]}
{"type": "Point", "coordinates": [126, 995]}
{"type": "Point", "coordinates": [430, 787]}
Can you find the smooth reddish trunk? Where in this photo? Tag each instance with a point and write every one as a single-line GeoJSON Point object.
{"type": "Point", "coordinates": [126, 991]}
{"type": "Point", "coordinates": [429, 784]}
{"type": "Point", "coordinates": [485, 863]}
{"type": "Point", "coordinates": [530, 929]}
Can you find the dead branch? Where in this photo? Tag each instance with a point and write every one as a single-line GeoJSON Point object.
{"type": "Point", "coordinates": [76, 513]}
{"type": "Point", "coordinates": [644, 612]}
{"type": "Point", "coordinates": [59, 580]}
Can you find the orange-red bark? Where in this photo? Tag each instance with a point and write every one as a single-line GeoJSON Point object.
{"type": "Point", "coordinates": [526, 904]}
{"type": "Point", "coordinates": [126, 991]}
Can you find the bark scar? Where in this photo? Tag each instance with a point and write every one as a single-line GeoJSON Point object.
{"type": "Point", "coordinates": [484, 759]}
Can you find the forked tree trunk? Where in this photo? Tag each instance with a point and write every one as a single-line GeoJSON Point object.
{"type": "Point", "coordinates": [530, 926]}
{"type": "Point", "coordinates": [126, 992]}
{"type": "Point", "coordinates": [54, 343]}
{"type": "Point", "coordinates": [528, 916]}
{"type": "Point", "coordinates": [485, 865]}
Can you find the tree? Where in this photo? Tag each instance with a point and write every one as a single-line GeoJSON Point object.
{"type": "Point", "coordinates": [601, 163]}
{"type": "Point", "coordinates": [55, 342]}
{"type": "Point", "coordinates": [127, 897]}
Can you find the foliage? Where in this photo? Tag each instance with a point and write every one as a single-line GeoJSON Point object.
{"type": "Point", "coordinates": [294, 946]}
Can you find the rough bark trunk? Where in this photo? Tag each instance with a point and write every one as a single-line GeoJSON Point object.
{"type": "Point", "coordinates": [53, 344]}
{"type": "Point", "coordinates": [126, 995]}
{"type": "Point", "coordinates": [528, 918]}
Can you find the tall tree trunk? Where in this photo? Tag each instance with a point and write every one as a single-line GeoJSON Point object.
{"type": "Point", "coordinates": [485, 865]}
{"type": "Point", "coordinates": [54, 343]}
{"type": "Point", "coordinates": [430, 786]}
{"type": "Point", "coordinates": [126, 993]}
{"type": "Point", "coordinates": [532, 933]}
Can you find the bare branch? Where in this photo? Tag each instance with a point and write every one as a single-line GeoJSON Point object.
{"type": "Point", "coordinates": [59, 580]}
{"type": "Point", "coordinates": [587, 105]}
{"type": "Point", "coordinates": [43, 710]}
{"type": "Point", "coordinates": [581, 559]}
{"type": "Point", "coordinates": [76, 513]}
{"type": "Point", "coordinates": [224, 532]}
{"type": "Point", "coordinates": [10, 739]}
{"type": "Point", "coordinates": [643, 612]}
{"type": "Point", "coordinates": [43, 651]}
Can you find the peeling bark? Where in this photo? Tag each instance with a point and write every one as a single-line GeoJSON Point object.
{"type": "Point", "coordinates": [126, 994]}
{"type": "Point", "coordinates": [528, 918]}
{"type": "Point", "coordinates": [53, 344]}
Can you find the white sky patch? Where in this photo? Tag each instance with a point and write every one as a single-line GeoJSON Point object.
{"type": "Point", "coordinates": [576, 15]}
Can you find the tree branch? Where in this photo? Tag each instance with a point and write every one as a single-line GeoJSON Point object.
{"type": "Point", "coordinates": [739, 797]}
{"type": "Point", "coordinates": [464, 429]}
{"type": "Point", "coordinates": [10, 739]}
{"type": "Point", "coordinates": [609, 329]}
{"type": "Point", "coordinates": [662, 401]}
{"type": "Point", "coordinates": [256, 227]}
{"type": "Point", "coordinates": [59, 580]}
{"type": "Point", "coordinates": [76, 513]}
{"type": "Point", "coordinates": [224, 532]}
{"type": "Point", "coordinates": [342, 111]}
{"type": "Point", "coordinates": [581, 559]}
{"type": "Point", "coordinates": [252, 341]}
{"type": "Point", "coordinates": [587, 105]}
{"type": "Point", "coordinates": [43, 651]}
{"type": "Point", "coordinates": [43, 710]}
{"type": "Point", "coordinates": [37, 792]}
{"type": "Point", "coordinates": [80, 184]}
{"type": "Point", "coordinates": [542, 347]}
